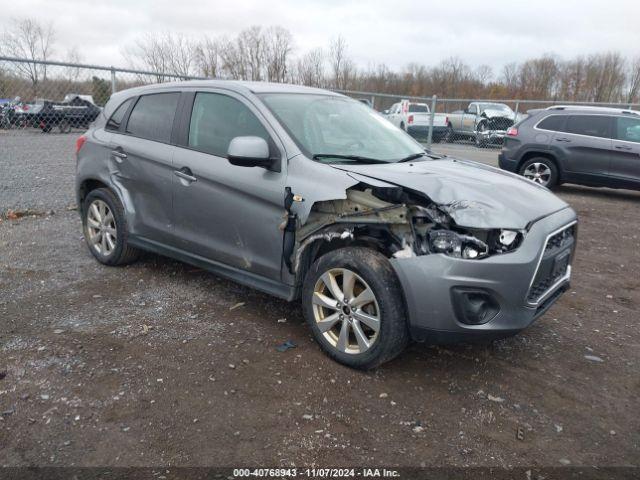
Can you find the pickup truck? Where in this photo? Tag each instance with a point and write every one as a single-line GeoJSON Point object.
{"type": "Point", "coordinates": [414, 118]}
{"type": "Point", "coordinates": [483, 122]}
{"type": "Point", "coordinates": [75, 111]}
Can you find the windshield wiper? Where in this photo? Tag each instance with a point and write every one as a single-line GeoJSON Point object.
{"type": "Point", "coordinates": [413, 156]}
{"type": "Point", "coordinates": [355, 158]}
{"type": "Point", "coordinates": [416, 156]}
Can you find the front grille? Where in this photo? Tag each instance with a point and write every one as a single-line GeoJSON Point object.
{"type": "Point", "coordinates": [554, 264]}
{"type": "Point", "coordinates": [500, 123]}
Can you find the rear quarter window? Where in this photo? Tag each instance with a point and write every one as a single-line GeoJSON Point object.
{"type": "Point", "coordinates": [116, 119]}
{"type": "Point", "coordinates": [555, 123]}
{"type": "Point", "coordinates": [152, 116]}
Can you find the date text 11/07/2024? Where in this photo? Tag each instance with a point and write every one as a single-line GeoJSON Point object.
{"type": "Point", "coordinates": [316, 472]}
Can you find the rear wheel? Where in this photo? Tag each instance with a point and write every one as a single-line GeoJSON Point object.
{"type": "Point", "coordinates": [105, 228]}
{"type": "Point", "coordinates": [540, 170]}
{"type": "Point", "coordinates": [64, 126]}
{"type": "Point", "coordinates": [353, 302]}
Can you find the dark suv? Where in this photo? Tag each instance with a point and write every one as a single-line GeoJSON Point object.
{"type": "Point", "coordinates": [586, 145]}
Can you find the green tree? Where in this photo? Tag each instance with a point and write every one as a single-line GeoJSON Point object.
{"type": "Point", "coordinates": [101, 90]}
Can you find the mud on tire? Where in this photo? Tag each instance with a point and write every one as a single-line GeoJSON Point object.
{"type": "Point", "coordinates": [375, 269]}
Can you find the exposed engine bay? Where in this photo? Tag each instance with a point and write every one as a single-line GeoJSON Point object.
{"type": "Point", "coordinates": [397, 221]}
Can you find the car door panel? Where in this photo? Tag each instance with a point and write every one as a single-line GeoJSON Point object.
{"type": "Point", "coordinates": [625, 155]}
{"type": "Point", "coordinates": [587, 156]}
{"type": "Point", "coordinates": [144, 168]}
{"type": "Point", "coordinates": [142, 158]}
{"type": "Point", "coordinates": [229, 214]}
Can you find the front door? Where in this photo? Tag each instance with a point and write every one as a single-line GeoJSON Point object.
{"type": "Point", "coordinates": [625, 156]}
{"type": "Point", "coordinates": [223, 212]}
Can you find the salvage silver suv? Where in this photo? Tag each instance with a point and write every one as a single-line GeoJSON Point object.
{"type": "Point", "coordinates": [307, 194]}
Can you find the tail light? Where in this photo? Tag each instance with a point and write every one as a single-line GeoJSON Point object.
{"type": "Point", "coordinates": [410, 119]}
{"type": "Point", "coordinates": [80, 142]}
{"type": "Point", "coordinates": [512, 132]}
{"type": "Point", "coordinates": [446, 120]}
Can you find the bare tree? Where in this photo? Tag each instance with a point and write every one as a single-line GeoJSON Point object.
{"type": "Point", "coordinates": [484, 74]}
{"type": "Point", "coordinates": [343, 68]}
{"type": "Point", "coordinates": [278, 46]}
{"type": "Point", "coordinates": [633, 86]}
{"type": "Point", "coordinates": [28, 39]}
{"type": "Point", "coordinates": [73, 56]}
{"type": "Point", "coordinates": [166, 53]}
{"type": "Point", "coordinates": [310, 68]}
{"type": "Point", "coordinates": [208, 57]}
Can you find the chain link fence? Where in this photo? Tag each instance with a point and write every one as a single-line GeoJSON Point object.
{"type": "Point", "coordinates": [482, 123]}
{"type": "Point", "coordinates": [61, 97]}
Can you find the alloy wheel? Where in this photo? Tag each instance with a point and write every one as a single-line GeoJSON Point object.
{"type": "Point", "coordinates": [538, 172]}
{"type": "Point", "coordinates": [346, 311]}
{"type": "Point", "coordinates": [101, 227]}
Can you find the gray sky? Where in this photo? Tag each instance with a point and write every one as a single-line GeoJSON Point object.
{"type": "Point", "coordinates": [394, 32]}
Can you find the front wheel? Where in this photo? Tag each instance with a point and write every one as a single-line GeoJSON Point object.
{"type": "Point", "coordinates": [480, 138]}
{"type": "Point", "coordinates": [353, 301]}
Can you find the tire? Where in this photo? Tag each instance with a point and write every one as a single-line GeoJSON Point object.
{"type": "Point", "coordinates": [448, 135]}
{"type": "Point", "coordinates": [371, 270]}
{"type": "Point", "coordinates": [114, 249]}
{"type": "Point", "coordinates": [480, 142]}
{"type": "Point", "coordinates": [402, 126]}
{"type": "Point", "coordinates": [541, 170]}
{"type": "Point", "coordinates": [64, 126]}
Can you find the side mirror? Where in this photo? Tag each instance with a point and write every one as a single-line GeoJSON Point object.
{"type": "Point", "coordinates": [249, 152]}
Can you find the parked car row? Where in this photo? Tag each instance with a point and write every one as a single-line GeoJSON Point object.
{"type": "Point", "coordinates": [75, 111]}
{"type": "Point", "coordinates": [482, 122]}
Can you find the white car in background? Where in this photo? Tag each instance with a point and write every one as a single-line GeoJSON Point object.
{"type": "Point", "coordinates": [414, 118]}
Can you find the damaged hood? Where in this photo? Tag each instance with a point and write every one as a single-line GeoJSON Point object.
{"type": "Point", "coordinates": [498, 113]}
{"type": "Point", "coordinates": [473, 194]}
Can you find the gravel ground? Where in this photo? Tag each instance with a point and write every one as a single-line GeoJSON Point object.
{"type": "Point", "coordinates": [37, 170]}
{"type": "Point", "coordinates": [160, 363]}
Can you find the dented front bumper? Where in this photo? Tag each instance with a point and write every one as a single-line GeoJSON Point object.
{"type": "Point", "coordinates": [434, 285]}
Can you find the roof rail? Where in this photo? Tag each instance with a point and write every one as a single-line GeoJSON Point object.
{"type": "Point", "coordinates": [594, 109]}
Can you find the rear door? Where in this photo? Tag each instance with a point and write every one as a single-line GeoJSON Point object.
{"type": "Point", "coordinates": [227, 213]}
{"type": "Point", "coordinates": [143, 155]}
{"type": "Point", "coordinates": [584, 146]}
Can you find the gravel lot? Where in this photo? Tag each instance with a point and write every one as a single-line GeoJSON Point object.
{"type": "Point", "coordinates": [161, 363]}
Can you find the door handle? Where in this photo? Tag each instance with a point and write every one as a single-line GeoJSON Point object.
{"type": "Point", "coordinates": [562, 139]}
{"type": "Point", "coordinates": [623, 147]}
{"type": "Point", "coordinates": [186, 174]}
{"type": "Point", "coordinates": [119, 155]}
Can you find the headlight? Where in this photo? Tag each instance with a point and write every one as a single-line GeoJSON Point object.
{"type": "Point", "coordinates": [456, 245]}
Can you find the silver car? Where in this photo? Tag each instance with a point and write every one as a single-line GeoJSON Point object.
{"type": "Point", "coordinates": [306, 194]}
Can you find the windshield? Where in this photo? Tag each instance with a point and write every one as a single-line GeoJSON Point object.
{"type": "Point", "coordinates": [324, 125]}
{"type": "Point", "coordinates": [495, 106]}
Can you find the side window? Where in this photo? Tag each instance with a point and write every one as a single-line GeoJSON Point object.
{"type": "Point", "coordinates": [591, 125]}
{"type": "Point", "coordinates": [473, 109]}
{"type": "Point", "coordinates": [216, 119]}
{"type": "Point", "coordinates": [628, 129]}
{"type": "Point", "coordinates": [116, 119]}
{"type": "Point", "coordinates": [555, 123]}
{"type": "Point", "coordinates": [152, 117]}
